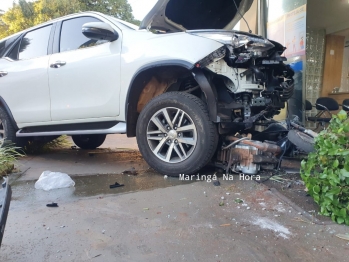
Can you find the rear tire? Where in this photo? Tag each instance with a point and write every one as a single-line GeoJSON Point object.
{"type": "Point", "coordinates": [302, 141]}
{"type": "Point", "coordinates": [89, 141]}
{"type": "Point", "coordinates": [8, 131]}
{"type": "Point", "coordinates": [175, 134]}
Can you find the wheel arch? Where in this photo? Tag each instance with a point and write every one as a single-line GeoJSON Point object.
{"type": "Point", "coordinates": [4, 105]}
{"type": "Point", "coordinates": [140, 81]}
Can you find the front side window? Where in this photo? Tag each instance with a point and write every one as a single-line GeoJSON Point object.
{"type": "Point", "coordinates": [72, 37]}
{"type": "Point", "coordinates": [35, 43]}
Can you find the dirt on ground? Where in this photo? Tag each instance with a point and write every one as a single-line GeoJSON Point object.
{"type": "Point", "coordinates": [292, 187]}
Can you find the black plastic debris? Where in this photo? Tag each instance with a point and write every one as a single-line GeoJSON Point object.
{"type": "Point", "coordinates": [52, 205]}
{"type": "Point", "coordinates": [116, 185]}
{"type": "Point", "coordinates": [216, 183]}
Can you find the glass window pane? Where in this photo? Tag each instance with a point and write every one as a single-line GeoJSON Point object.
{"type": "Point", "coordinates": [35, 43]}
{"type": "Point", "coordinates": [72, 37]}
{"type": "Point", "coordinates": [14, 52]}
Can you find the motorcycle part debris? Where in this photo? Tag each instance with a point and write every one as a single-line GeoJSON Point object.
{"type": "Point", "coordinates": [302, 141]}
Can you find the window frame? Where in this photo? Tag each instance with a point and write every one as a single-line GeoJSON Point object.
{"type": "Point", "coordinates": [10, 47]}
{"type": "Point", "coordinates": [7, 45]}
{"type": "Point", "coordinates": [58, 33]}
{"type": "Point", "coordinates": [20, 38]}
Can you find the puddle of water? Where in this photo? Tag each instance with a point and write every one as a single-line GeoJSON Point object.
{"type": "Point", "coordinates": [88, 186]}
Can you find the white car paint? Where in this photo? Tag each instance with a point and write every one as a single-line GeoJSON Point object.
{"type": "Point", "coordinates": [94, 84]}
{"type": "Point", "coordinates": [142, 48]}
{"type": "Point", "coordinates": [88, 86]}
{"type": "Point", "coordinates": [26, 89]}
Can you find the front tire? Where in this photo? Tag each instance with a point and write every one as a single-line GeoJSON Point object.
{"type": "Point", "coordinates": [89, 141]}
{"type": "Point", "coordinates": [175, 134]}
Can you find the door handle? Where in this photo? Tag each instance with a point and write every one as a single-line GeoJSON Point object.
{"type": "Point", "coordinates": [3, 73]}
{"type": "Point", "coordinates": [58, 64]}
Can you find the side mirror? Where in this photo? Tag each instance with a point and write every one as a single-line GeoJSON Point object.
{"type": "Point", "coordinates": [99, 31]}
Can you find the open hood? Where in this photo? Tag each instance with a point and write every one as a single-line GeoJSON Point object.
{"type": "Point", "coordinates": [182, 15]}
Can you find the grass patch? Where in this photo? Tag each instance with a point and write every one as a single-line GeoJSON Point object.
{"type": "Point", "coordinates": [8, 156]}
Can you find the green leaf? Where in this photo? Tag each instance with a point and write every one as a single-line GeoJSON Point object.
{"type": "Point", "coordinates": [344, 173]}
{"type": "Point", "coordinates": [316, 189]}
{"type": "Point", "coordinates": [342, 115]}
{"type": "Point", "coordinates": [335, 190]}
{"type": "Point", "coordinates": [340, 220]}
{"type": "Point", "coordinates": [323, 176]}
{"type": "Point", "coordinates": [336, 163]}
{"type": "Point", "coordinates": [343, 212]}
{"type": "Point", "coordinates": [329, 195]}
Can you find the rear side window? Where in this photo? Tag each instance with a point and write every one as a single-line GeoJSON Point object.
{"type": "Point", "coordinates": [2, 48]}
{"type": "Point", "coordinates": [72, 37]}
{"type": "Point", "coordinates": [5, 44]}
{"type": "Point", "coordinates": [35, 43]}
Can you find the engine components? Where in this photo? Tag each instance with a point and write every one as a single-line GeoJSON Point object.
{"type": "Point", "coordinates": [247, 156]}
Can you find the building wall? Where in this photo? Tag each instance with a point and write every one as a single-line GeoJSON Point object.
{"type": "Point", "coordinates": [345, 67]}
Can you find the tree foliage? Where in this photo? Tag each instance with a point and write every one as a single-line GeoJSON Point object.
{"type": "Point", "coordinates": [326, 172]}
{"type": "Point", "coordinates": [26, 14]}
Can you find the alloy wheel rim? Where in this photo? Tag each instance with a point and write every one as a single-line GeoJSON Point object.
{"type": "Point", "coordinates": [171, 135]}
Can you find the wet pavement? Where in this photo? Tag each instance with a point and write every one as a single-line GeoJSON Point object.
{"type": "Point", "coordinates": [155, 219]}
{"type": "Point", "coordinates": [93, 185]}
{"type": "Point", "coordinates": [183, 222]}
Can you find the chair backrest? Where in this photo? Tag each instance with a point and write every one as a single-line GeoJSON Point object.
{"type": "Point", "coordinates": [345, 105]}
{"type": "Point", "coordinates": [308, 106]}
{"type": "Point", "coordinates": [326, 103]}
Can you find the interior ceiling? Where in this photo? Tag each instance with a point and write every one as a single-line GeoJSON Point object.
{"type": "Point", "coordinates": [324, 14]}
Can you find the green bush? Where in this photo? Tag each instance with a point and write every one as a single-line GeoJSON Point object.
{"type": "Point", "coordinates": [326, 171]}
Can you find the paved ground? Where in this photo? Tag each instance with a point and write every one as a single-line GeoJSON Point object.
{"type": "Point", "coordinates": [155, 219]}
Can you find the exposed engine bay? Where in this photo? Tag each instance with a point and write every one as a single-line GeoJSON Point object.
{"type": "Point", "coordinates": [252, 85]}
{"type": "Point", "coordinates": [251, 82]}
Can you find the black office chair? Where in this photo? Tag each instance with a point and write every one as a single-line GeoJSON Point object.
{"type": "Point", "coordinates": [345, 105]}
{"type": "Point", "coordinates": [324, 105]}
{"type": "Point", "coordinates": [308, 106]}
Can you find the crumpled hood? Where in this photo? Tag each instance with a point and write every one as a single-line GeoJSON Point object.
{"type": "Point", "coordinates": [182, 15]}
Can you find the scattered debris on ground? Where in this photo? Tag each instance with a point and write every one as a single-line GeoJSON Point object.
{"type": "Point", "coordinates": [52, 205]}
{"type": "Point", "coordinates": [292, 187]}
{"type": "Point", "coordinates": [116, 185]}
{"type": "Point", "coordinates": [266, 223]}
{"type": "Point", "coordinates": [131, 171]}
{"type": "Point", "coordinates": [53, 180]}
{"type": "Point", "coordinates": [216, 183]}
